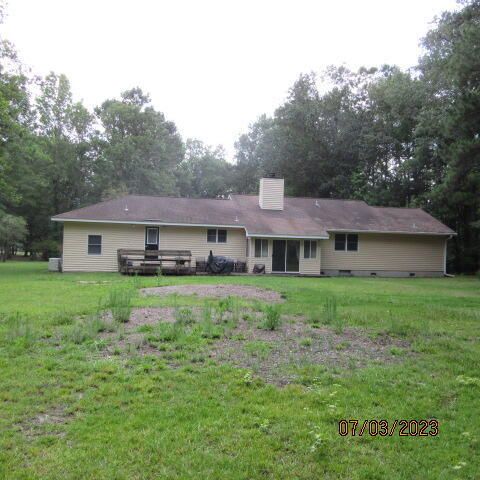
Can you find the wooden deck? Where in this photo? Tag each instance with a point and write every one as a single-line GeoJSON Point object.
{"type": "Point", "coordinates": [153, 262]}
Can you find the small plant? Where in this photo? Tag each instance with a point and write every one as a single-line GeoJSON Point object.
{"type": "Point", "coordinates": [342, 346]}
{"type": "Point", "coordinates": [330, 310]}
{"type": "Point", "coordinates": [397, 351]}
{"type": "Point", "coordinates": [264, 426]}
{"type": "Point", "coordinates": [272, 318]}
{"type": "Point", "coordinates": [470, 381]}
{"type": "Point", "coordinates": [306, 342]}
{"type": "Point", "coordinates": [227, 304]}
{"type": "Point", "coordinates": [258, 349]}
{"type": "Point", "coordinates": [318, 442]}
{"type": "Point", "coordinates": [159, 275]}
{"type": "Point", "coordinates": [135, 281]}
{"type": "Point", "coordinates": [20, 329]}
{"type": "Point", "coordinates": [235, 312]}
{"type": "Point", "coordinates": [313, 319]}
{"type": "Point", "coordinates": [207, 312]}
{"type": "Point", "coordinates": [78, 334]}
{"type": "Point", "coordinates": [119, 302]}
{"type": "Point", "coordinates": [184, 316]}
{"type": "Point", "coordinates": [248, 379]}
{"type": "Point", "coordinates": [170, 332]}
{"type": "Point", "coordinates": [209, 330]}
{"type": "Point", "coordinates": [399, 327]}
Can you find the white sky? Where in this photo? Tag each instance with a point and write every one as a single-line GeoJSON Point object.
{"type": "Point", "coordinates": [211, 66]}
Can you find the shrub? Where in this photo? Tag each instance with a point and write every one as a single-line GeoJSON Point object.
{"type": "Point", "coordinates": [46, 248]}
{"type": "Point", "coordinates": [272, 317]}
{"type": "Point", "coordinates": [119, 302]}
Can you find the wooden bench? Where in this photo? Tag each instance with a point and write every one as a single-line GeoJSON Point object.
{"type": "Point", "coordinates": [176, 262]}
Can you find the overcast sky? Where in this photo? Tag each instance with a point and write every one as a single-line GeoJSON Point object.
{"type": "Point", "coordinates": [212, 66]}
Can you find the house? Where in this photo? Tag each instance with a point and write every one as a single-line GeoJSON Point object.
{"type": "Point", "coordinates": [287, 234]}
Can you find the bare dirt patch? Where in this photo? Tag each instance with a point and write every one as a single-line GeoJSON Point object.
{"type": "Point", "coordinates": [217, 291]}
{"type": "Point", "coordinates": [274, 355]}
{"type": "Point", "coordinates": [47, 423]}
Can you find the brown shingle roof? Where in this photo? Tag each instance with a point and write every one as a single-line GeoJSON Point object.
{"type": "Point", "coordinates": [300, 217]}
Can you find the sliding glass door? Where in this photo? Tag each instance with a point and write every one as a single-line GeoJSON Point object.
{"type": "Point", "coordinates": [286, 256]}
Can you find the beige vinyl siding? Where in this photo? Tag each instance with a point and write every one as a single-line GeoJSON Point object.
{"type": "Point", "coordinates": [252, 259]}
{"type": "Point", "coordinates": [195, 240]}
{"type": "Point", "coordinates": [114, 236]}
{"type": "Point", "coordinates": [310, 266]}
{"type": "Point", "coordinates": [271, 193]}
{"type": "Point", "coordinates": [392, 252]}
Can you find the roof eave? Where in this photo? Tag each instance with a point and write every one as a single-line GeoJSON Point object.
{"type": "Point", "coordinates": [399, 232]}
{"type": "Point", "coordinates": [282, 235]}
{"type": "Point", "coordinates": [147, 222]}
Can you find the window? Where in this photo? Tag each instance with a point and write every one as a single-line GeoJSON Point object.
{"type": "Point", "coordinates": [340, 241]}
{"type": "Point", "coordinates": [216, 236]}
{"type": "Point", "coordinates": [94, 244]}
{"type": "Point", "coordinates": [346, 242]}
{"type": "Point", "coordinates": [152, 236]}
{"type": "Point", "coordinates": [222, 236]}
{"type": "Point", "coordinates": [261, 248]}
{"type": "Point", "coordinates": [211, 236]}
{"type": "Point", "coordinates": [310, 249]}
{"type": "Point", "coordinates": [352, 242]}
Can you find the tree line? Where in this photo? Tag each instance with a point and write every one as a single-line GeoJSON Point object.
{"type": "Point", "coordinates": [392, 137]}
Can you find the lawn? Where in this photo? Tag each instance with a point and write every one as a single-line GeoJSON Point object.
{"type": "Point", "coordinates": [80, 401]}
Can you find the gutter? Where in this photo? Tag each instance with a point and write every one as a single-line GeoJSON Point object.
{"type": "Point", "coordinates": [147, 222]}
{"type": "Point", "coordinates": [307, 237]}
{"type": "Point", "coordinates": [387, 232]}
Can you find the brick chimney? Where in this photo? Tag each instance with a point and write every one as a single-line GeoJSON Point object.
{"type": "Point", "coordinates": [271, 193]}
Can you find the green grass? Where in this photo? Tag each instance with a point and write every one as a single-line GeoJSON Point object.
{"type": "Point", "coordinates": [139, 417]}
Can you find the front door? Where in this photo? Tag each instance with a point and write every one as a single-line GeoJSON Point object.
{"type": "Point", "coordinates": [151, 241]}
{"type": "Point", "coordinates": [286, 256]}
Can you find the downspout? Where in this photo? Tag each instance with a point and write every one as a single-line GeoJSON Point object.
{"type": "Point", "coordinates": [445, 274]}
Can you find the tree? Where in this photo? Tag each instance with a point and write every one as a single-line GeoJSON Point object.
{"type": "Point", "coordinates": [253, 150]}
{"type": "Point", "coordinates": [139, 148]}
{"type": "Point", "coordinates": [450, 128]}
{"type": "Point", "coordinates": [12, 231]}
{"type": "Point", "coordinates": [204, 172]}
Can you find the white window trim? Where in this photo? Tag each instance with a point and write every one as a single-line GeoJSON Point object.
{"type": "Point", "coordinates": [261, 248]}
{"type": "Point", "coordinates": [157, 232]}
{"type": "Point", "coordinates": [346, 243]}
{"type": "Point", "coordinates": [310, 250]}
{"type": "Point", "coordinates": [101, 245]}
{"type": "Point", "coordinates": [216, 235]}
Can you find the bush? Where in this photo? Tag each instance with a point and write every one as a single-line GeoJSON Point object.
{"type": "Point", "coordinates": [46, 248]}
{"type": "Point", "coordinates": [119, 302]}
{"type": "Point", "coordinates": [272, 317]}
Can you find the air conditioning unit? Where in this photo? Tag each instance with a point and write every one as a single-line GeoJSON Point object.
{"type": "Point", "coordinates": [54, 264]}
